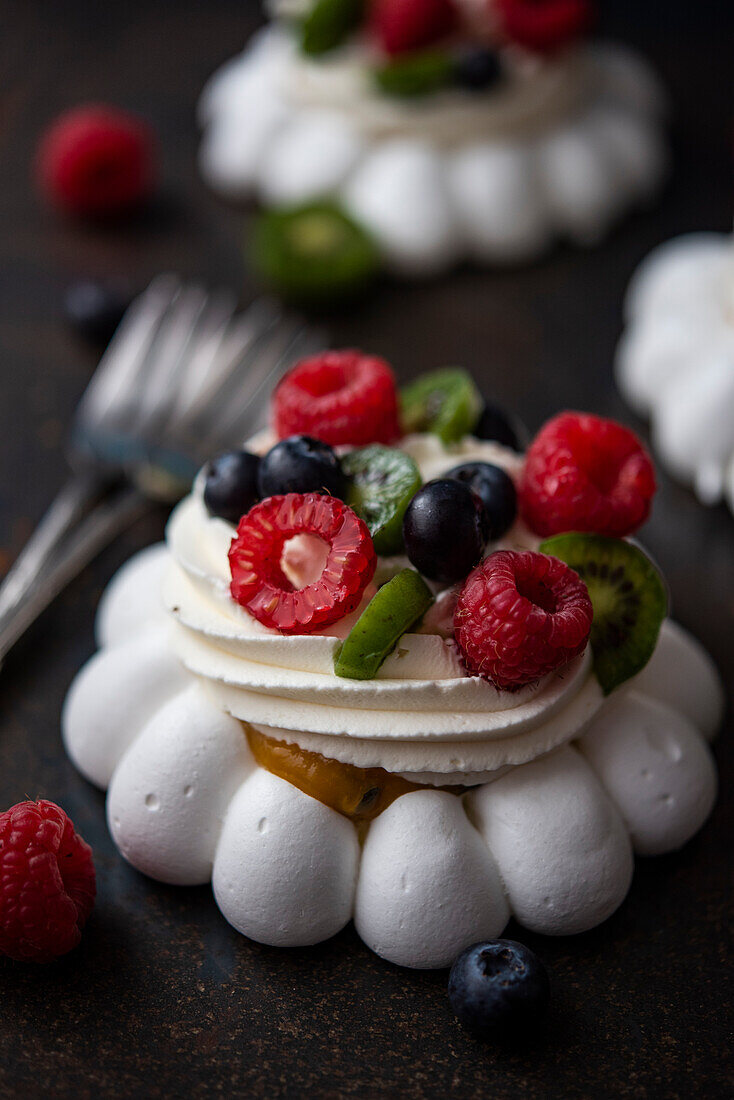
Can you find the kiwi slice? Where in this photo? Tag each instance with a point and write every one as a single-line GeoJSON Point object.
{"type": "Point", "coordinates": [393, 610]}
{"type": "Point", "coordinates": [416, 74]}
{"type": "Point", "coordinates": [383, 481]}
{"type": "Point", "coordinates": [629, 598]}
{"type": "Point", "coordinates": [328, 23]}
{"type": "Point", "coordinates": [445, 402]}
{"type": "Point", "coordinates": [314, 254]}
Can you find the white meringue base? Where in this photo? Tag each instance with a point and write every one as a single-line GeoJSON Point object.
{"type": "Point", "coordinates": [549, 842]}
{"type": "Point", "coordinates": [675, 361]}
{"type": "Point", "coordinates": [493, 179]}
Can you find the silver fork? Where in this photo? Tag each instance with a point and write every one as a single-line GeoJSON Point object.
{"type": "Point", "coordinates": [183, 378]}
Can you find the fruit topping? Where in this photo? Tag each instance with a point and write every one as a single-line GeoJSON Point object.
{"type": "Point", "coordinates": [583, 473]}
{"type": "Point", "coordinates": [358, 793]}
{"type": "Point", "coordinates": [402, 25]}
{"type": "Point", "coordinates": [498, 987]}
{"type": "Point", "coordinates": [519, 616]}
{"type": "Point", "coordinates": [391, 612]}
{"type": "Point", "coordinates": [301, 464]}
{"type": "Point", "coordinates": [95, 309]}
{"type": "Point", "coordinates": [96, 161]}
{"type": "Point", "coordinates": [314, 254]}
{"type": "Point", "coordinates": [445, 530]}
{"type": "Point", "coordinates": [341, 397]}
{"type": "Point", "coordinates": [496, 490]}
{"type": "Point", "coordinates": [383, 481]}
{"type": "Point", "coordinates": [415, 74]}
{"type": "Point", "coordinates": [544, 26]}
{"type": "Point", "coordinates": [445, 402]}
{"type": "Point", "coordinates": [47, 882]}
{"type": "Point", "coordinates": [230, 485]}
{"type": "Point", "coordinates": [629, 598]}
{"type": "Point", "coordinates": [255, 556]}
{"type": "Point", "coordinates": [328, 23]}
{"type": "Point", "coordinates": [477, 69]}
{"type": "Point", "coordinates": [495, 426]}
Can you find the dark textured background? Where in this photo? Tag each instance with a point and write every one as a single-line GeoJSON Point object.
{"type": "Point", "coordinates": [163, 998]}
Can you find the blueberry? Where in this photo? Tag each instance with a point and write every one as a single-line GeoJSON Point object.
{"type": "Point", "coordinates": [497, 492]}
{"type": "Point", "coordinates": [445, 530]}
{"type": "Point", "coordinates": [230, 486]}
{"type": "Point", "coordinates": [477, 70]}
{"type": "Point", "coordinates": [95, 309]}
{"type": "Point", "coordinates": [301, 464]}
{"type": "Point", "coordinates": [497, 987]}
{"type": "Point", "coordinates": [494, 425]}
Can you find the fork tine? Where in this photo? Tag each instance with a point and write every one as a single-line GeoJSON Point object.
{"type": "Point", "coordinates": [236, 419]}
{"type": "Point", "coordinates": [210, 368]}
{"type": "Point", "coordinates": [127, 353]}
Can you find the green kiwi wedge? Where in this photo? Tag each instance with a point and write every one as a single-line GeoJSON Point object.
{"type": "Point", "coordinates": [314, 255]}
{"type": "Point", "coordinates": [445, 402]}
{"type": "Point", "coordinates": [416, 74]}
{"type": "Point", "coordinates": [328, 23]}
{"type": "Point", "coordinates": [629, 598]}
{"type": "Point", "coordinates": [396, 607]}
{"type": "Point", "coordinates": [382, 483]}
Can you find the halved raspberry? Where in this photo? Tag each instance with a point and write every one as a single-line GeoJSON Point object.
{"type": "Point", "coordinates": [583, 473]}
{"type": "Point", "coordinates": [259, 583]}
{"type": "Point", "coordinates": [521, 615]}
{"type": "Point", "coordinates": [544, 26]}
{"type": "Point", "coordinates": [338, 397]}
{"type": "Point", "coordinates": [96, 161]}
{"type": "Point", "coordinates": [47, 882]}
{"type": "Point", "coordinates": [402, 25]}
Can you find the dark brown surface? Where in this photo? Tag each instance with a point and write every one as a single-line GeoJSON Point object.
{"type": "Point", "coordinates": [163, 998]}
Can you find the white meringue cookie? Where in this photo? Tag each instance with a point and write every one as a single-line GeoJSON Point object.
{"type": "Point", "coordinates": [657, 769]}
{"type": "Point", "coordinates": [675, 361]}
{"type": "Point", "coordinates": [169, 794]}
{"type": "Point", "coordinates": [286, 865]}
{"type": "Point", "coordinates": [681, 674]}
{"type": "Point", "coordinates": [499, 199]}
{"type": "Point", "coordinates": [308, 159]}
{"type": "Point", "coordinates": [399, 194]}
{"type": "Point", "coordinates": [114, 696]}
{"type": "Point", "coordinates": [427, 887]}
{"type": "Point", "coordinates": [133, 597]}
{"type": "Point", "coordinates": [289, 128]}
{"type": "Point", "coordinates": [561, 847]}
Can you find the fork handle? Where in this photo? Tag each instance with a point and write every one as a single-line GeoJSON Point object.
{"type": "Point", "coordinates": [74, 529]}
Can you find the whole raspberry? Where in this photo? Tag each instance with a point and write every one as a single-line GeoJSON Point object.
{"type": "Point", "coordinates": [583, 473]}
{"type": "Point", "coordinates": [340, 397]}
{"type": "Point", "coordinates": [519, 616]}
{"type": "Point", "coordinates": [47, 882]}
{"type": "Point", "coordinates": [402, 25]}
{"type": "Point", "coordinates": [96, 161]}
{"type": "Point", "coordinates": [544, 26]}
{"type": "Point", "coordinates": [259, 583]}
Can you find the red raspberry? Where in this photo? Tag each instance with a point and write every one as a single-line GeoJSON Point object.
{"type": "Point", "coordinates": [47, 882]}
{"type": "Point", "coordinates": [96, 161]}
{"type": "Point", "coordinates": [402, 25]}
{"type": "Point", "coordinates": [255, 556]}
{"type": "Point", "coordinates": [544, 26]}
{"type": "Point", "coordinates": [338, 397]}
{"type": "Point", "coordinates": [521, 615]}
{"type": "Point", "coordinates": [583, 473]}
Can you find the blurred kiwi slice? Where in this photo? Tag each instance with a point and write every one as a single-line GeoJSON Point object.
{"type": "Point", "coordinates": [629, 598]}
{"type": "Point", "coordinates": [314, 254]}
{"type": "Point", "coordinates": [328, 23]}
{"type": "Point", "coordinates": [445, 402]}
